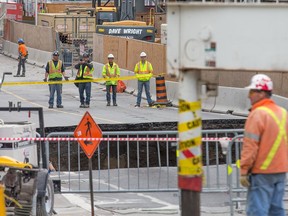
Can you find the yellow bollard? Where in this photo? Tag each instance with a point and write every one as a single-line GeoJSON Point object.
{"type": "Point", "coordinates": [2, 201]}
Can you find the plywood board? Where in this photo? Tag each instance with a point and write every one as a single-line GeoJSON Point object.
{"type": "Point", "coordinates": [134, 50]}
{"type": "Point", "coordinates": [98, 48]}
{"type": "Point", "coordinates": [37, 37]}
{"type": "Point", "coordinates": [122, 56]}
{"type": "Point", "coordinates": [111, 46]}
{"type": "Point", "coordinates": [158, 59]}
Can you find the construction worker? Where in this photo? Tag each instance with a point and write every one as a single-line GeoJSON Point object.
{"type": "Point", "coordinates": [85, 72]}
{"type": "Point", "coordinates": [144, 72]}
{"type": "Point", "coordinates": [54, 72]}
{"type": "Point", "coordinates": [23, 54]}
{"type": "Point", "coordinates": [111, 70]}
{"type": "Point", "coordinates": [264, 158]}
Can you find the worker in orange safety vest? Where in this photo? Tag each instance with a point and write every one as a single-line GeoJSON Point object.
{"type": "Point", "coordinates": [23, 54]}
{"type": "Point", "coordinates": [143, 71]}
{"type": "Point", "coordinates": [264, 156]}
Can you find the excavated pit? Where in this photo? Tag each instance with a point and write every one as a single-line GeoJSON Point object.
{"type": "Point", "coordinates": [119, 157]}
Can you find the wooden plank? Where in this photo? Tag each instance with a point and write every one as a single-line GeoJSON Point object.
{"type": "Point", "coordinates": [98, 48]}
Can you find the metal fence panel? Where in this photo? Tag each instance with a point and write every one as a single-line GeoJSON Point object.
{"type": "Point", "coordinates": [135, 166]}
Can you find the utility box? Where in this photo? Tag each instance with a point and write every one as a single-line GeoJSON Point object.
{"type": "Point", "coordinates": [19, 150]}
{"type": "Point", "coordinates": [227, 36]}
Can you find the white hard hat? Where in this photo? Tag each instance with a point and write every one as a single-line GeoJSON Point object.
{"type": "Point", "coordinates": [261, 82]}
{"type": "Point", "coordinates": [143, 54]}
{"type": "Point", "coordinates": [110, 56]}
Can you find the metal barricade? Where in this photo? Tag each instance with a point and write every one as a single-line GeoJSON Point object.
{"type": "Point", "coordinates": [237, 193]}
{"type": "Point", "coordinates": [135, 166]}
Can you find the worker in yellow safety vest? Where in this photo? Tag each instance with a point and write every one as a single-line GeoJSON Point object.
{"type": "Point", "coordinates": [264, 157]}
{"type": "Point", "coordinates": [85, 72]}
{"type": "Point", "coordinates": [54, 72]}
{"type": "Point", "coordinates": [143, 71]}
{"type": "Point", "coordinates": [111, 70]}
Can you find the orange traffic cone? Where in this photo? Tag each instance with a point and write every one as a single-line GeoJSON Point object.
{"type": "Point", "coordinates": [161, 94]}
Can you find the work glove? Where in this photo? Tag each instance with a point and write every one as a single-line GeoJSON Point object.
{"type": "Point", "coordinates": [45, 79]}
{"type": "Point", "coordinates": [66, 78]}
{"type": "Point", "coordinates": [244, 180]}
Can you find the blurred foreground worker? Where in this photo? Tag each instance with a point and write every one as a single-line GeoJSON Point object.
{"type": "Point", "coordinates": [54, 72]}
{"type": "Point", "coordinates": [144, 72]}
{"type": "Point", "coordinates": [264, 156]}
{"type": "Point", "coordinates": [23, 54]}
{"type": "Point", "coordinates": [85, 72]}
{"type": "Point", "coordinates": [111, 70]}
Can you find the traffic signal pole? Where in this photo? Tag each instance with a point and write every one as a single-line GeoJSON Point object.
{"type": "Point", "coordinates": [190, 139]}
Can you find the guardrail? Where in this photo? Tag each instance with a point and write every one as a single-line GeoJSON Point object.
{"type": "Point", "coordinates": [135, 166]}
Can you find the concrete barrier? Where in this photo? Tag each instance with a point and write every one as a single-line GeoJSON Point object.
{"type": "Point", "coordinates": [37, 57]}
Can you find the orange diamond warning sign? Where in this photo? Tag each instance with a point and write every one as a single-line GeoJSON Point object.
{"type": "Point", "coordinates": [87, 128]}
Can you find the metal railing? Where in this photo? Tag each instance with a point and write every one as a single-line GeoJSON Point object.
{"type": "Point", "coordinates": [134, 166]}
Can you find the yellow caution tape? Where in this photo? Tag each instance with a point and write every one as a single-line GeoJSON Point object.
{"type": "Point", "coordinates": [186, 144]}
{"type": "Point", "coordinates": [191, 166]}
{"type": "Point", "coordinates": [185, 106]}
{"type": "Point", "coordinates": [177, 153]}
{"type": "Point", "coordinates": [185, 126]}
{"type": "Point", "coordinates": [70, 81]}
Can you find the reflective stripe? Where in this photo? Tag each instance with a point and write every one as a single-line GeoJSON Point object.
{"type": "Point", "coordinates": [252, 136]}
{"type": "Point", "coordinates": [282, 134]}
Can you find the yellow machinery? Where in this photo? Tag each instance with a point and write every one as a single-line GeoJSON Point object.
{"type": "Point", "coordinates": [28, 190]}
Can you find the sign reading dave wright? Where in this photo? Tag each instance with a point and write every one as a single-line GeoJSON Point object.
{"type": "Point", "coordinates": [140, 33]}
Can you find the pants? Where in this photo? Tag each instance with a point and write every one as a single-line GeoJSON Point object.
{"type": "Point", "coordinates": [265, 195]}
{"type": "Point", "coordinates": [87, 88]}
{"type": "Point", "coordinates": [146, 84]}
{"type": "Point", "coordinates": [58, 89]}
{"type": "Point", "coordinates": [108, 97]}
{"type": "Point", "coordinates": [21, 63]}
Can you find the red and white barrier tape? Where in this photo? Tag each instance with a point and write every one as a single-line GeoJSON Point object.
{"type": "Point", "coordinates": [172, 139]}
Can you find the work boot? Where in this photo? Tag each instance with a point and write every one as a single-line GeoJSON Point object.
{"type": "Point", "coordinates": [50, 106]}
{"type": "Point", "coordinates": [23, 75]}
{"type": "Point", "coordinates": [137, 106]}
{"type": "Point", "coordinates": [86, 105]}
{"type": "Point", "coordinates": [60, 106]}
{"type": "Point", "coordinates": [82, 106]}
{"type": "Point", "coordinates": [108, 104]}
{"type": "Point", "coordinates": [115, 104]}
{"type": "Point", "coordinates": [17, 75]}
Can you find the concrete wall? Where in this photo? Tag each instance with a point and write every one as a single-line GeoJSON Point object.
{"type": "Point", "coordinates": [37, 37]}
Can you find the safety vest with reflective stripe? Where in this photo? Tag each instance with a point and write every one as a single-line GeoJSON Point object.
{"type": "Point", "coordinates": [55, 71]}
{"type": "Point", "coordinates": [111, 72]}
{"type": "Point", "coordinates": [281, 135]}
{"type": "Point", "coordinates": [265, 148]}
{"type": "Point", "coordinates": [87, 73]}
{"type": "Point", "coordinates": [143, 71]}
